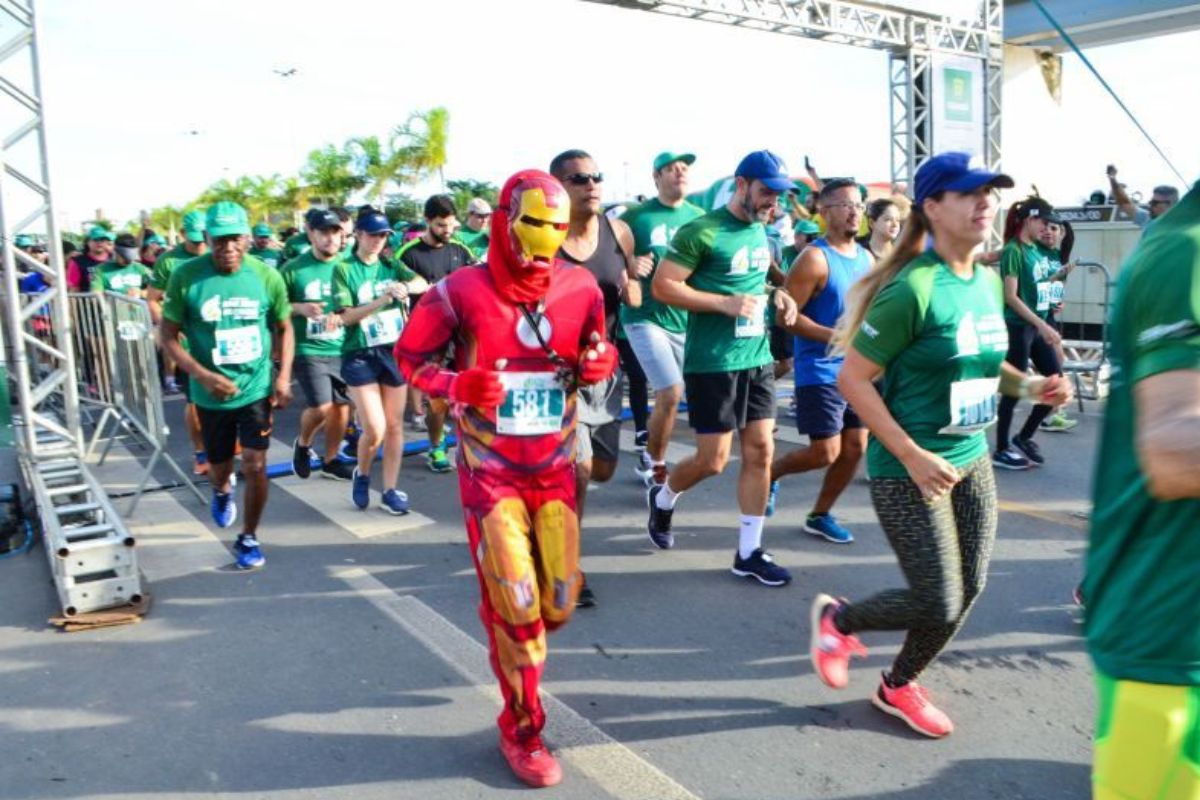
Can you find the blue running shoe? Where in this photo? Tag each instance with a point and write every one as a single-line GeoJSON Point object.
{"type": "Point", "coordinates": [360, 491]}
{"type": "Point", "coordinates": [394, 502]}
{"type": "Point", "coordinates": [348, 452]}
{"type": "Point", "coordinates": [224, 510]}
{"type": "Point", "coordinates": [827, 527]}
{"type": "Point", "coordinates": [249, 556]}
{"type": "Point", "coordinates": [762, 567]}
{"type": "Point", "coordinates": [771, 498]}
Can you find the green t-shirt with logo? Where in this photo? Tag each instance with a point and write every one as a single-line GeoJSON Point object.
{"type": "Point", "coordinates": [725, 256]}
{"type": "Point", "coordinates": [1142, 590]}
{"type": "Point", "coordinates": [167, 261]}
{"type": "Point", "coordinates": [109, 277]}
{"type": "Point", "coordinates": [941, 340]}
{"type": "Point", "coordinates": [228, 320]}
{"type": "Point", "coordinates": [475, 241]}
{"type": "Point", "coordinates": [654, 225]}
{"type": "Point", "coordinates": [271, 256]}
{"type": "Point", "coordinates": [1030, 265]}
{"type": "Point", "coordinates": [356, 284]}
{"type": "Point", "coordinates": [309, 280]}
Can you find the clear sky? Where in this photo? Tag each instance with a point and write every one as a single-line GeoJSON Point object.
{"type": "Point", "coordinates": [126, 80]}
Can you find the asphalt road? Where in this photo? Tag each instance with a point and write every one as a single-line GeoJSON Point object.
{"type": "Point", "coordinates": [352, 666]}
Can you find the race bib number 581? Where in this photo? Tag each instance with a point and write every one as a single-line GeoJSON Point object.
{"type": "Point", "coordinates": [533, 404]}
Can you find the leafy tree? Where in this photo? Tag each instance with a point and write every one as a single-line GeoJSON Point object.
{"type": "Point", "coordinates": [403, 207]}
{"type": "Point", "coordinates": [463, 190]}
{"type": "Point", "coordinates": [330, 175]}
{"type": "Point", "coordinates": [422, 142]}
{"type": "Point", "coordinates": [265, 200]}
{"type": "Point", "coordinates": [377, 164]}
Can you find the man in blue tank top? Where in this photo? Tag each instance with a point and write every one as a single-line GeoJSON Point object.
{"type": "Point", "coordinates": [819, 281]}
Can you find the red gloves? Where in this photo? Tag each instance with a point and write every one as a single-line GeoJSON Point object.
{"type": "Point", "coordinates": [477, 387]}
{"type": "Point", "coordinates": [598, 362]}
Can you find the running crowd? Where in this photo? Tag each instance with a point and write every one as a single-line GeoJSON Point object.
{"type": "Point", "coordinates": [907, 342]}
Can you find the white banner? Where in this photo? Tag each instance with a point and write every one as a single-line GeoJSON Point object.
{"type": "Point", "coordinates": [958, 104]}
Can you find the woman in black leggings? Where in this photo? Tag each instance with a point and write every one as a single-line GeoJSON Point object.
{"type": "Point", "coordinates": [930, 321]}
{"type": "Point", "coordinates": [1029, 270]}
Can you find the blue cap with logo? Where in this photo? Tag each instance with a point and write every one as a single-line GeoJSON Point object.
{"type": "Point", "coordinates": [372, 222]}
{"type": "Point", "coordinates": [955, 172]}
{"type": "Point", "coordinates": [765, 166]}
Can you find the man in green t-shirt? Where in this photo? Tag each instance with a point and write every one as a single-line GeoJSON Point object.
{"type": "Point", "coordinates": [264, 248]}
{"type": "Point", "coordinates": [716, 268]}
{"type": "Point", "coordinates": [232, 308]}
{"type": "Point", "coordinates": [1142, 591]}
{"type": "Point", "coordinates": [655, 330]}
{"type": "Point", "coordinates": [175, 379]}
{"type": "Point", "coordinates": [475, 234]}
{"type": "Point", "coordinates": [319, 338]}
{"type": "Point", "coordinates": [125, 274]}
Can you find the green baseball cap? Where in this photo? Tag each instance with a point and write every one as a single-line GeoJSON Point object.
{"type": "Point", "coordinates": [226, 218]}
{"type": "Point", "coordinates": [396, 239]}
{"type": "Point", "coordinates": [806, 226]}
{"type": "Point", "coordinates": [667, 157]}
{"type": "Point", "coordinates": [193, 226]}
{"type": "Point", "coordinates": [263, 229]}
{"type": "Point", "coordinates": [155, 239]}
{"type": "Point", "coordinates": [97, 233]}
{"type": "Point", "coordinates": [23, 240]}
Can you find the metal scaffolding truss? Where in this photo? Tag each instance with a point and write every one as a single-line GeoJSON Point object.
{"type": "Point", "coordinates": [910, 36]}
{"type": "Point", "coordinates": [42, 367]}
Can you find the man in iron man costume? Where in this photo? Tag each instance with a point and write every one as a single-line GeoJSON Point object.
{"type": "Point", "coordinates": [527, 331]}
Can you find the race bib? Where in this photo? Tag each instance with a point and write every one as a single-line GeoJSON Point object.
{"type": "Point", "coordinates": [1043, 295]}
{"type": "Point", "coordinates": [533, 404]}
{"type": "Point", "coordinates": [1057, 290]}
{"type": "Point", "coordinates": [972, 406]}
{"type": "Point", "coordinates": [383, 327]}
{"type": "Point", "coordinates": [757, 324]}
{"type": "Point", "coordinates": [315, 331]}
{"type": "Point", "coordinates": [237, 345]}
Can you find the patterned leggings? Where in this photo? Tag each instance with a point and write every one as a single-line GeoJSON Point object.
{"type": "Point", "coordinates": [943, 549]}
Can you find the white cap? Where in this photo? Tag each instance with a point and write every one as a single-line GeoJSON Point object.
{"type": "Point", "coordinates": [479, 206]}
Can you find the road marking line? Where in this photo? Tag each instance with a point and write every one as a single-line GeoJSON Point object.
{"type": "Point", "coordinates": [616, 768]}
{"type": "Point", "coordinates": [332, 499]}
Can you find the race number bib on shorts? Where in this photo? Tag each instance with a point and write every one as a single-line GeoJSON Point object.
{"type": "Point", "coordinates": [972, 406]}
{"type": "Point", "coordinates": [383, 327]}
{"type": "Point", "coordinates": [757, 324]}
{"type": "Point", "coordinates": [1043, 295]}
{"type": "Point", "coordinates": [533, 404]}
{"type": "Point", "coordinates": [237, 346]}
{"type": "Point", "coordinates": [315, 330]}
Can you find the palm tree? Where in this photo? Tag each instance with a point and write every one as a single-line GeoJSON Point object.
{"type": "Point", "coordinates": [377, 164]}
{"type": "Point", "coordinates": [422, 142]}
{"type": "Point", "coordinates": [263, 199]}
{"type": "Point", "coordinates": [330, 176]}
{"type": "Point", "coordinates": [226, 190]}
{"type": "Point", "coordinates": [167, 220]}
{"type": "Point", "coordinates": [293, 198]}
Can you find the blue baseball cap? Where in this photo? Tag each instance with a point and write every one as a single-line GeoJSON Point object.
{"type": "Point", "coordinates": [765, 166]}
{"type": "Point", "coordinates": [372, 222]}
{"type": "Point", "coordinates": [955, 172]}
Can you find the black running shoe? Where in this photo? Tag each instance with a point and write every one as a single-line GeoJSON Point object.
{"type": "Point", "coordinates": [301, 459]}
{"type": "Point", "coordinates": [587, 598]}
{"type": "Point", "coordinates": [659, 526]}
{"type": "Point", "coordinates": [337, 470]}
{"type": "Point", "coordinates": [1030, 449]}
{"type": "Point", "coordinates": [641, 439]}
{"type": "Point", "coordinates": [761, 566]}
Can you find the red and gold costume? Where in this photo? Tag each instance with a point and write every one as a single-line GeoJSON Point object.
{"type": "Point", "coordinates": [513, 393]}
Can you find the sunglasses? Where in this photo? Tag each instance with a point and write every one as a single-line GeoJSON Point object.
{"type": "Point", "coordinates": [584, 178]}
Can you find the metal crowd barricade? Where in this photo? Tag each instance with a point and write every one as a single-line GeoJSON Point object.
{"type": "Point", "coordinates": [135, 385]}
{"type": "Point", "coordinates": [93, 359]}
{"type": "Point", "coordinates": [1085, 317]}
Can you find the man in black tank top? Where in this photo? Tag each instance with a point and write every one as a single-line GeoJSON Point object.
{"type": "Point", "coordinates": [604, 247]}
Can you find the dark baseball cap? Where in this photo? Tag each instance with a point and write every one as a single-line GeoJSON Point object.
{"type": "Point", "coordinates": [322, 219]}
{"type": "Point", "coordinates": [955, 172]}
{"type": "Point", "coordinates": [765, 166]}
{"type": "Point", "coordinates": [372, 221]}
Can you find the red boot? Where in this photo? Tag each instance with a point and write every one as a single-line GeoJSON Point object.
{"type": "Point", "coordinates": [531, 761]}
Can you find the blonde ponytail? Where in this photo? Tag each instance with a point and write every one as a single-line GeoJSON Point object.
{"type": "Point", "coordinates": [864, 290]}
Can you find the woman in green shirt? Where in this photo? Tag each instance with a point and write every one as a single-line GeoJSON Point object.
{"type": "Point", "coordinates": [929, 321]}
{"type": "Point", "coordinates": [369, 295]}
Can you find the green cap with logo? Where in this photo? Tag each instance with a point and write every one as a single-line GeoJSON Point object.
{"type": "Point", "coordinates": [263, 229]}
{"type": "Point", "coordinates": [806, 226]}
{"type": "Point", "coordinates": [154, 238]}
{"type": "Point", "coordinates": [227, 218]}
{"type": "Point", "coordinates": [193, 226]}
{"type": "Point", "coordinates": [98, 232]}
{"type": "Point", "coordinates": [23, 240]}
{"type": "Point", "coordinates": [667, 157]}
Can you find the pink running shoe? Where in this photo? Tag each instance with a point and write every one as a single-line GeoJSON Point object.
{"type": "Point", "coordinates": [830, 648]}
{"type": "Point", "coordinates": [911, 703]}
